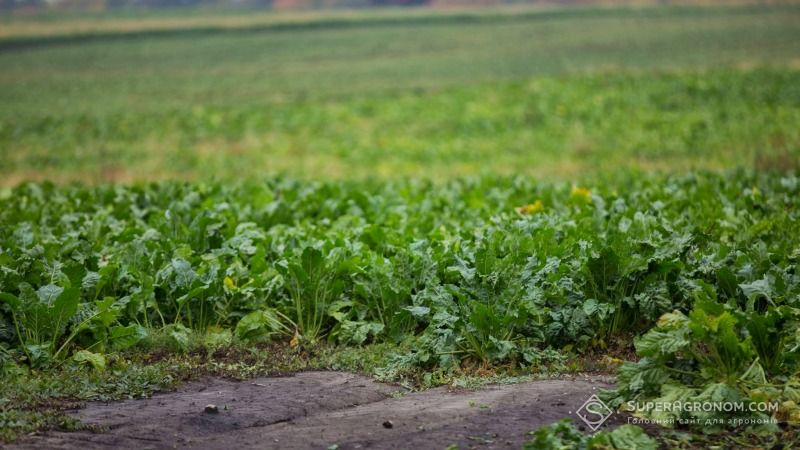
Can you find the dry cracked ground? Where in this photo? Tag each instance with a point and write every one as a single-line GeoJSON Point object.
{"type": "Point", "coordinates": [316, 410]}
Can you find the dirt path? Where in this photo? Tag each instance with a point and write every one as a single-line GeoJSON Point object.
{"type": "Point", "coordinates": [314, 410]}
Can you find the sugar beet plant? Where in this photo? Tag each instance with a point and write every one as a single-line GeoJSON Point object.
{"type": "Point", "coordinates": [720, 352]}
{"type": "Point", "coordinates": [489, 270]}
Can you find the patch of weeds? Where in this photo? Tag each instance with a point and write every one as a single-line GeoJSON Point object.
{"type": "Point", "coordinates": [14, 422]}
{"type": "Point", "coordinates": [32, 400]}
{"type": "Point", "coordinates": [564, 435]}
{"type": "Point", "coordinates": [367, 359]}
{"type": "Point", "coordinates": [36, 400]}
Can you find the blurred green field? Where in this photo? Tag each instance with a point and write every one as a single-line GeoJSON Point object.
{"type": "Point", "coordinates": [430, 94]}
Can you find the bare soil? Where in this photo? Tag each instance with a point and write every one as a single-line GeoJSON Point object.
{"type": "Point", "coordinates": [315, 410]}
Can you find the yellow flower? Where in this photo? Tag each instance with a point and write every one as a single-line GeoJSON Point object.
{"type": "Point", "coordinates": [612, 361]}
{"type": "Point", "coordinates": [229, 283]}
{"type": "Point", "coordinates": [580, 194]}
{"type": "Point", "coordinates": [534, 207]}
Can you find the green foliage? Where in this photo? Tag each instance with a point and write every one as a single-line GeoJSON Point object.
{"type": "Point", "coordinates": [563, 435]}
{"type": "Point", "coordinates": [453, 266]}
{"type": "Point", "coordinates": [41, 318]}
{"type": "Point", "coordinates": [313, 285]}
{"type": "Point", "coordinates": [95, 360]}
{"type": "Point", "coordinates": [259, 324]}
{"type": "Point", "coordinates": [179, 338]}
{"type": "Point", "coordinates": [720, 352]}
{"type": "Point", "coordinates": [217, 337]}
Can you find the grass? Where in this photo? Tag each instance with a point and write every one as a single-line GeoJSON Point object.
{"type": "Point", "coordinates": [443, 96]}
{"type": "Point", "coordinates": [546, 127]}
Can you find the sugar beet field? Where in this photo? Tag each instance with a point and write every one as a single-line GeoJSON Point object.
{"type": "Point", "coordinates": [404, 228]}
